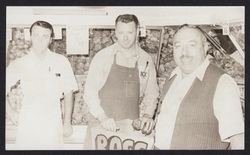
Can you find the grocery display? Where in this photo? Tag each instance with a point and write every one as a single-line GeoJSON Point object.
{"type": "Point", "coordinates": [101, 38]}
{"type": "Point", "coordinates": [238, 32]}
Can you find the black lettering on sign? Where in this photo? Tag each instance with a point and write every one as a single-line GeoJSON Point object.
{"type": "Point", "coordinates": [128, 144]}
{"type": "Point", "coordinates": [114, 143]}
{"type": "Point", "coordinates": [139, 145]}
{"type": "Point", "coordinates": [101, 142]}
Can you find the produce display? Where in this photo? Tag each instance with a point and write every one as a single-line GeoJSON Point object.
{"type": "Point", "coordinates": [167, 63]}
{"type": "Point", "coordinates": [79, 64]}
{"type": "Point", "coordinates": [101, 38]}
{"type": "Point", "coordinates": [151, 43]}
{"type": "Point", "coordinates": [18, 47]}
{"type": "Point", "coordinates": [238, 32]}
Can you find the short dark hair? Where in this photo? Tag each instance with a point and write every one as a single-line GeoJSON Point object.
{"type": "Point", "coordinates": [192, 27]}
{"type": "Point", "coordinates": [43, 24]}
{"type": "Point", "coordinates": [127, 18]}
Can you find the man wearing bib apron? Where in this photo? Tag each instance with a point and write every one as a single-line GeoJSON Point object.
{"type": "Point", "coordinates": [118, 77]}
{"type": "Point", "coordinates": [45, 78]}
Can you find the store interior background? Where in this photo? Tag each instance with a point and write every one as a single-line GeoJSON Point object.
{"type": "Point", "coordinates": [158, 25]}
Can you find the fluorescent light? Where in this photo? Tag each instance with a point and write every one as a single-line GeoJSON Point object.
{"type": "Point", "coordinates": [69, 11]}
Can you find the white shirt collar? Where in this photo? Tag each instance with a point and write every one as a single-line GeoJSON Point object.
{"type": "Point", "coordinates": [32, 53]}
{"type": "Point", "coordinates": [137, 49]}
{"type": "Point", "coordinates": [47, 51]}
{"type": "Point", "coordinates": [199, 72]}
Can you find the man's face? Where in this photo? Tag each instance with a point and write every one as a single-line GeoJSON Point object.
{"type": "Point", "coordinates": [126, 34]}
{"type": "Point", "coordinates": [189, 49]}
{"type": "Point", "coordinates": [40, 37]}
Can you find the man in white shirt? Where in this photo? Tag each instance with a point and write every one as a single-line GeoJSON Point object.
{"type": "Point", "coordinates": [119, 76]}
{"type": "Point", "coordinates": [201, 106]}
{"type": "Point", "coordinates": [45, 78]}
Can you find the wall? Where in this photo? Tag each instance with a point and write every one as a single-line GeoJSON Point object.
{"type": "Point", "coordinates": [105, 15]}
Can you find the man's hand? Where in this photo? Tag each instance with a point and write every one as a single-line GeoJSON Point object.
{"type": "Point", "coordinates": [67, 130]}
{"type": "Point", "coordinates": [12, 114]}
{"type": "Point", "coordinates": [109, 124]}
{"type": "Point", "coordinates": [68, 110]}
{"type": "Point", "coordinates": [147, 124]}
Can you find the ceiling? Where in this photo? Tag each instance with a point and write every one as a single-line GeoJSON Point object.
{"type": "Point", "coordinates": [99, 15]}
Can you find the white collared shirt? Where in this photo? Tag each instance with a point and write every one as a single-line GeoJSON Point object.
{"type": "Point", "coordinates": [43, 83]}
{"type": "Point", "coordinates": [44, 79]}
{"type": "Point", "coordinates": [226, 104]}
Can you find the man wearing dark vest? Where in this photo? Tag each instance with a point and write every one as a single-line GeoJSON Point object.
{"type": "Point", "coordinates": [118, 77]}
{"type": "Point", "coordinates": [201, 106]}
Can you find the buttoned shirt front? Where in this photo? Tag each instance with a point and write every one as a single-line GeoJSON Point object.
{"type": "Point", "coordinates": [34, 73]}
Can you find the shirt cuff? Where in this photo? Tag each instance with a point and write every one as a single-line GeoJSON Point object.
{"type": "Point", "coordinates": [101, 117]}
{"type": "Point", "coordinates": [149, 111]}
{"type": "Point", "coordinates": [73, 89]}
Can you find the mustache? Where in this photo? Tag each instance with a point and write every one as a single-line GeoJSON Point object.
{"type": "Point", "coordinates": [185, 56]}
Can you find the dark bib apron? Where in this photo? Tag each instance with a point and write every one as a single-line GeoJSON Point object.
{"type": "Point", "coordinates": [119, 97]}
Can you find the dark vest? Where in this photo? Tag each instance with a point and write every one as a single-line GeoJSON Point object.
{"type": "Point", "coordinates": [196, 126]}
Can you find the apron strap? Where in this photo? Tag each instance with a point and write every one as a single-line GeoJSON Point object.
{"type": "Point", "coordinates": [114, 61]}
{"type": "Point", "coordinates": [136, 64]}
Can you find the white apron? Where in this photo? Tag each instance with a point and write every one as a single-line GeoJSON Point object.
{"type": "Point", "coordinates": [40, 122]}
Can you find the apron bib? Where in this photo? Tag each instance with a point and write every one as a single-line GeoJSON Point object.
{"type": "Point", "coordinates": [119, 96]}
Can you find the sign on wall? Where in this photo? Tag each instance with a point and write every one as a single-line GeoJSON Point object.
{"type": "Point", "coordinates": [77, 40]}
